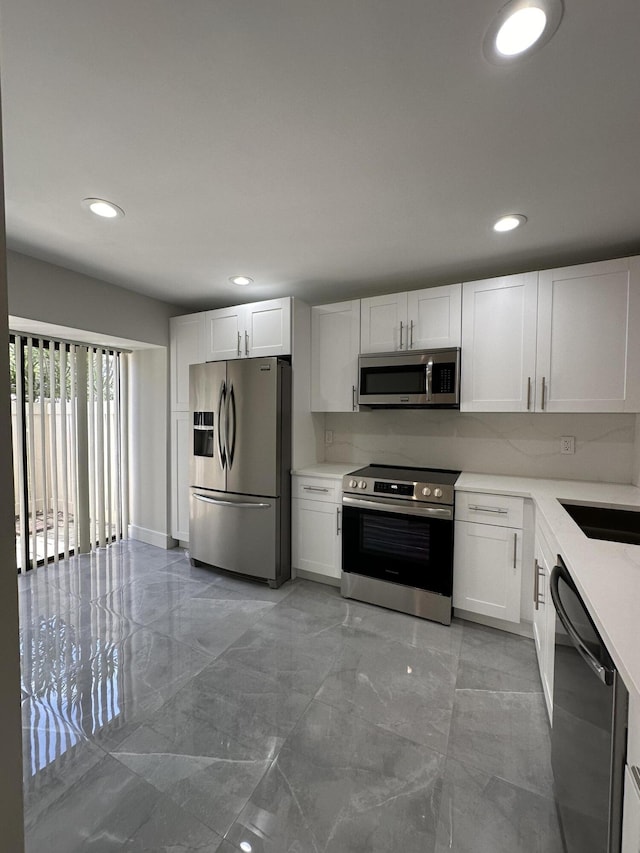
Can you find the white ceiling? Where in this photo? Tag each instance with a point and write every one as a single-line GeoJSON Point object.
{"type": "Point", "coordinates": [327, 148]}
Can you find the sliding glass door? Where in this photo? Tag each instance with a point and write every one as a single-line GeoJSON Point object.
{"type": "Point", "coordinates": [67, 415]}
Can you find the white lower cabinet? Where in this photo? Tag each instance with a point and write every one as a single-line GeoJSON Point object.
{"type": "Point", "coordinates": [544, 616]}
{"type": "Point", "coordinates": [316, 525]}
{"type": "Point", "coordinates": [631, 811]}
{"type": "Point", "coordinates": [487, 572]}
{"type": "Point", "coordinates": [180, 438]}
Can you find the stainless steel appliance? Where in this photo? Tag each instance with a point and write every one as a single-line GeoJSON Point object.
{"type": "Point", "coordinates": [412, 379]}
{"type": "Point", "coordinates": [397, 539]}
{"type": "Point", "coordinates": [240, 462]}
{"type": "Point", "coordinates": [588, 739]}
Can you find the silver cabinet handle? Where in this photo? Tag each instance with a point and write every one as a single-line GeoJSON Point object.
{"type": "Point", "coordinates": [216, 502]}
{"type": "Point", "coordinates": [411, 335]}
{"type": "Point", "coordinates": [401, 325]}
{"type": "Point", "coordinates": [246, 343]}
{"type": "Point", "coordinates": [536, 583]}
{"type": "Point", "coordinates": [314, 489]}
{"type": "Point", "coordinates": [338, 511]}
{"type": "Point", "coordinates": [544, 393]}
{"type": "Point", "coordinates": [515, 550]}
{"type": "Point", "coordinates": [239, 340]}
{"type": "Point", "coordinates": [353, 397]}
{"type": "Point", "coordinates": [528, 393]}
{"type": "Point", "coordinates": [496, 510]}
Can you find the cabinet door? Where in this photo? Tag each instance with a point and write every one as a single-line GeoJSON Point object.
{"type": "Point", "coordinates": [631, 812]}
{"type": "Point", "coordinates": [186, 335]}
{"type": "Point", "coordinates": [335, 344]}
{"type": "Point", "coordinates": [550, 644]}
{"type": "Point", "coordinates": [434, 316]}
{"type": "Point", "coordinates": [267, 328]}
{"type": "Point", "coordinates": [499, 344]}
{"type": "Point", "coordinates": [180, 438]}
{"type": "Point", "coordinates": [316, 537]}
{"type": "Point", "coordinates": [487, 570]}
{"type": "Point", "coordinates": [224, 333]}
{"type": "Point", "coordinates": [588, 330]}
{"type": "Point", "coordinates": [383, 323]}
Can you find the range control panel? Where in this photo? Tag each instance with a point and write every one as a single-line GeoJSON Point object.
{"type": "Point", "coordinates": [427, 492]}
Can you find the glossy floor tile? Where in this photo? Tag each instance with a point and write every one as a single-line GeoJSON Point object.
{"type": "Point", "coordinates": [174, 708]}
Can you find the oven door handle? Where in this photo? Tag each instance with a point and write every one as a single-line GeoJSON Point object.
{"type": "Point", "coordinates": [399, 507]}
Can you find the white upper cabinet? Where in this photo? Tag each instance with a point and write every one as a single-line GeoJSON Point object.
{"type": "Point", "coordinates": [335, 344]}
{"type": "Point", "coordinates": [383, 323]}
{"type": "Point", "coordinates": [268, 328]}
{"type": "Point", "coordinates": [588, 353]}
{"type": "Point", "coordinates": [256, 329]}
{"type": "Point", "coordinates": [499, 344]}
{"type": "Point", "coordinates": [434, 317]}
{"type": "Point", "coordinates": [563, 340]}
{"type": "Point", "coordinates": [419, 319]}
{"type": "Point", "coordinates": [187, 346]}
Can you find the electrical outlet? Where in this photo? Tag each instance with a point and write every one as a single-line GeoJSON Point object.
{"type": "Point", "coordinates": [328, 436]}
{"type": "Point", "coordinates": [567, 444]}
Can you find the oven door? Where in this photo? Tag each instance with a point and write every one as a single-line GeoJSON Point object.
{"type": "Point", "coordinates": [398, 541]}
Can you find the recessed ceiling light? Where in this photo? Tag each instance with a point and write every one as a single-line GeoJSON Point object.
{"type": "Point", "coordinates": [103, 208]}
{"type": "Point", "coordinates": [242, 280]}
{"type": "Point", "coordinates": [509, 222]}
{"type": "Point", "coordinates": [520, 28]}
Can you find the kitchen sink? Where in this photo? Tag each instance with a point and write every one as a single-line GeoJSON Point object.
{"type": "Point", "coordinates": [604, 522]}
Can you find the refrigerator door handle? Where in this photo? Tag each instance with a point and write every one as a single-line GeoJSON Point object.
{"type": "Point", "coordinates": [242, 505]}
{"type": "Point", "coordinates": [230, 426]}
{"type": "Point", "coordinates": [602, 672]}
{"type": "Point", "coordinates": [222, 417]}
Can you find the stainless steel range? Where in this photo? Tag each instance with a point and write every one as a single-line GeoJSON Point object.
{"type": "Point", "coordinates": [397, 539]}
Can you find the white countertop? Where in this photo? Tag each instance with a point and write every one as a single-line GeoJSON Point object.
{"type": "Point", "coordinates": [335, 470]}
{"type": "Point", "coordinates": [607, 574]}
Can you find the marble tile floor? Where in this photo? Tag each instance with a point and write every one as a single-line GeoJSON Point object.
{"type": "Point", "coordinates": [176, 709]}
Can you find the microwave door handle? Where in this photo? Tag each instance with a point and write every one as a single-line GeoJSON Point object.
{"type": "Point", "coordinates": [222, 407]}
{"type": "Point", "coordinates": [429, 378]}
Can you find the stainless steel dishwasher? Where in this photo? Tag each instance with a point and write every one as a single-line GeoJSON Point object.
{"type": "Point", "coordinates": [589, 735]}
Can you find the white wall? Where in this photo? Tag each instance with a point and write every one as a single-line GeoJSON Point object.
{"type": "Point", "coordinates": [11, 821]}
{"type": "Point", "coordinates": [149, 446]}
{"type": "Point", "coordinates": [53, 294]}
{"type": "Point", "coordinates": [525, 444]}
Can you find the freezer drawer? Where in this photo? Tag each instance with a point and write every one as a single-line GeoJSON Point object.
{"type": "Point", "coordinates": [239, 533]}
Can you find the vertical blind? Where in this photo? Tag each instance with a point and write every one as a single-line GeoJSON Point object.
{"type": "Point", "coordinates": [69, 453]}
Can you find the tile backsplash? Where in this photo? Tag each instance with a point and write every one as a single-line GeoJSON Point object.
{"type": "Point", "coordinates": [499, 443]}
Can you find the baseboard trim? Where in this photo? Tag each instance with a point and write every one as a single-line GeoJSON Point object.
{"type": "Point", "coordinates": [522, 629]}
{"type": "Point", "coordinates": [314, 576]}
{"type": "Point", "coordinates": [152, 537]}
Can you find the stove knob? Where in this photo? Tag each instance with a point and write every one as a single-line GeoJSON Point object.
{"type": "Point", "coordinates": [362, 484]}
{"type": "Point", "coordinates": [426, 491]}
{"type": "Point", "coordinates": [353, 484]}
{"type": "Point", "coordinates": [438, 493]}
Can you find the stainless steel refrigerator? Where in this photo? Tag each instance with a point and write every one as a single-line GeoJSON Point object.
{"type": "Point", "coordinates": [240, 461]}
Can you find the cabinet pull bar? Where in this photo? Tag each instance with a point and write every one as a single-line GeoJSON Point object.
{"type": "Point", "coordinates": [401, 325]}
{"type": "Point", "coordinates": [411, 339]}
{"type": "Point", "coordinates": [536, 584]}
{"type": "Point", "coordinates": [353, 397]}
{"type": "Point", "coordinates": [496, 510]}
{"type": "Point", "coordinates": [239, 344]}
{"type": "Point", "coordinates": [544, 393]}
{"type": "Point", "coordinates": [528, 393]}
{"type": "Point", "coordinates": [314, 489]}
{"type": "Point", "coordinates": [338, 511]}
{"type": "Point", "coordinates": [515, 550]}
{"type": "Point", "coordinates": [246, 343]}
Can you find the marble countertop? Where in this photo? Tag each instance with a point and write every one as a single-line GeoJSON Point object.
{"type": "Point", "coordinates": [607, 574]}
{"type": "Point", "coordinates": [334, 470]}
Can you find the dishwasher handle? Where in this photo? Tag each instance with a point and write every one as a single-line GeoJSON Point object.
{"type": "Point", "coordinates": [604, 673]}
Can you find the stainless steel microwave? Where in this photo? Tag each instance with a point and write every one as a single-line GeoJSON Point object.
{"type": "Point", "coordinates": [412, 379]}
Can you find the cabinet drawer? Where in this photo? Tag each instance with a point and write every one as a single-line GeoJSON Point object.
{"type": "Point", "coordinates": [499, 510]}
{"type": "Point", "coordinates": [317, 489]}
